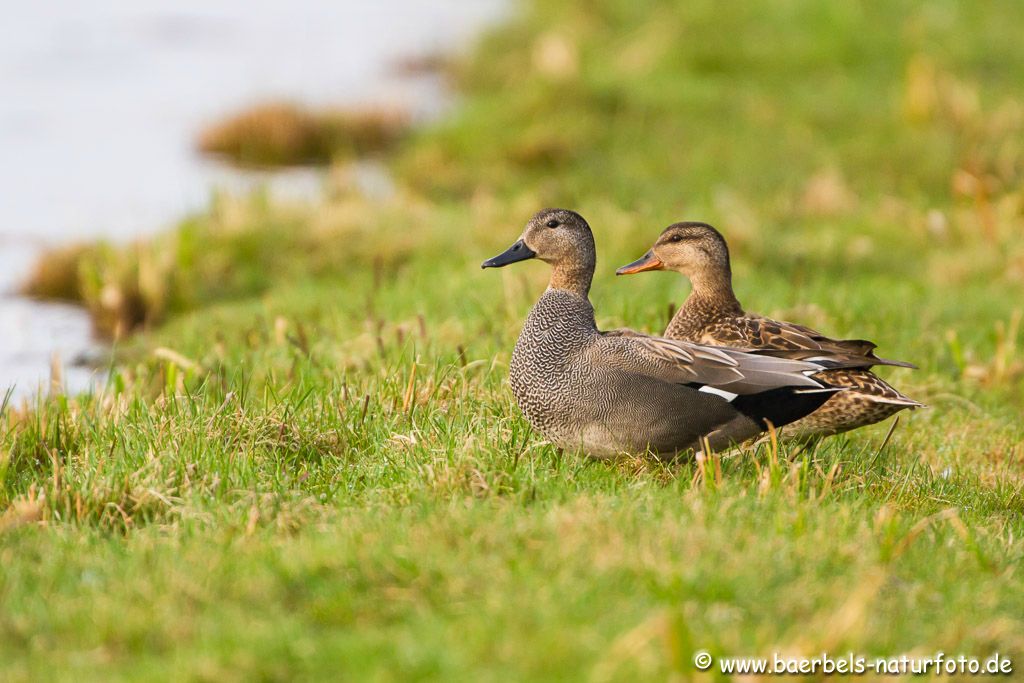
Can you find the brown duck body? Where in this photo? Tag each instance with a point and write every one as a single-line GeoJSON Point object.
{"type": "Point", "coordinates": [867, 398]}
{"type": "Point", "coordinates": [712, 315]}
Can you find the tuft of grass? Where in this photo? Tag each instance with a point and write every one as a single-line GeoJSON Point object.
{"type": "Point", "coordinates": [286, 134]}
{"type": "Point", "coordinates": [238, 249]}
{"type": "Point", "coordinates": [55, 274]}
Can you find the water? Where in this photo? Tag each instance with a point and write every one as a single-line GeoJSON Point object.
{"type": "Point", "coordinates": [100, 104]}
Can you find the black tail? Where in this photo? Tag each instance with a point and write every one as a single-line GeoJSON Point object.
{"type": "Point", "coordinates": [784, 405]}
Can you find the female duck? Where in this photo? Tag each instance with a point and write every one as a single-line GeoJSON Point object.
{"type": "Point", "coordinates": [713, 315]}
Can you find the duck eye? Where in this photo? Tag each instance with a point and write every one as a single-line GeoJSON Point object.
{"type": "Point", "coordinates": [552, 223]}
{"type": "Point", "coordinates": [676, 238]}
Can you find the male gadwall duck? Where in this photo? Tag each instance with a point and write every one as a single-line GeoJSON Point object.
{"type": "Point", "coordinates": [625, 392]}
{"type": "Point", "coordinates": [712, 315]}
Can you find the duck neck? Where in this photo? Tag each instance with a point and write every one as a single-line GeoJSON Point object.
{"type": "Point", "coordinates": [575, 280]}
{"type": "Point", "coordinates": [712, 288]}
{"type": "Point", "coordinates": [574, 275]}
{"type": "Point", "coordinates": [711, 299]}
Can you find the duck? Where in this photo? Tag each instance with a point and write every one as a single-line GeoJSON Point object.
{"type": "Point", "coordinates": [713, 315]}
{"type": "Point", "coordinates": [608, 393]}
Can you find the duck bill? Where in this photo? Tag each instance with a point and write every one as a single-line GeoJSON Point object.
{"type": "Point", "coordinates": [646, 262]}
{"type": "Point", "coordinates": [517, 252]}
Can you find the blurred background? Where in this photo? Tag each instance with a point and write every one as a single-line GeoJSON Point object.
{"type": "Point", "coordinates": [102, 105]}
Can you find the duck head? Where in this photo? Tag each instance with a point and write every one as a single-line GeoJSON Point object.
{"type": "Point", "coordinates": [696, 250]}
{"type": "Point", "coordinates": [560, 238]}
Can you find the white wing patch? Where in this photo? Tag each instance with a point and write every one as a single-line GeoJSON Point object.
{"type": "Point", "coordinates": [728, 396]}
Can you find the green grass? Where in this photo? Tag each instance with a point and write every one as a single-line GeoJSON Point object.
{"type": "Point", "coordinates": [307, 462]}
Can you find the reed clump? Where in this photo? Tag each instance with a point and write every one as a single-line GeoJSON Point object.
{"type": "Point", "coordinates": [286, 134]}
{"type": "Point", "coordinates": [55, 274]}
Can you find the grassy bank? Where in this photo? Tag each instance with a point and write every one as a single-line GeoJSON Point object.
{"type": "Point", "coordinates": [307, 461]}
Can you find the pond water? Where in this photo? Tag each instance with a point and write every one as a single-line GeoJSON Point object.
{"type": "Point", "coordinates": [100, 104]}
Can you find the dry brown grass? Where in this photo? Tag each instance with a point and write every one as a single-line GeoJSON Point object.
{"type": "Point", "coordinates": [122, 287]}
{"type": "Point", "coordinates": [55, 274]}
{"type": "Point", "coordinates": [284, 134]}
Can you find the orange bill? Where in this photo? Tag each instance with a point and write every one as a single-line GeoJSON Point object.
{"type": "Point", "coordinates": [646, 262]}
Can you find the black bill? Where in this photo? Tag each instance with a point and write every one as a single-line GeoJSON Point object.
{"type": "Point", "coordinates": [517, 252]}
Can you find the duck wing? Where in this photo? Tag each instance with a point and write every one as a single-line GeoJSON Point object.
{"type": "Point", "coordinates": [732, 370]}
{"type": "Point", "coordinates": [776, 334]}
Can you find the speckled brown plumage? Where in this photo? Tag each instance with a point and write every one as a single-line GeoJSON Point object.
{"type": "Point", "coordinates": [625, 392]}
{"type": "Point", "coordinates": [712, 315]}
